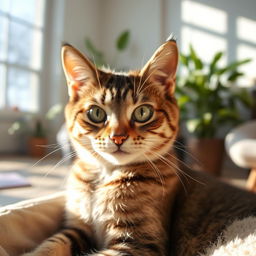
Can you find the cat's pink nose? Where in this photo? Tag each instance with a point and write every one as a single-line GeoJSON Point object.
{"type": "Point", "coordinates": [118, 139]}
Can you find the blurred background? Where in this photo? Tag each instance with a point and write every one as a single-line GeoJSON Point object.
{"type": "Point", "coordinates": [217, 41]}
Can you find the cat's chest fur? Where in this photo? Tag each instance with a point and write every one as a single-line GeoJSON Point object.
{"type": "Point", "coordinates": [117, 199]}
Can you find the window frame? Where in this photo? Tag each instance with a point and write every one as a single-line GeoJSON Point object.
{"type": "Point", "coordinates": [5, 109]}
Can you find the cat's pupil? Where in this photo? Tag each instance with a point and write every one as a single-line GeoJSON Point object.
{"type": "Point", "coordinates": [142, 112]}
{"type": "Point", "coordinates": [97, 112]}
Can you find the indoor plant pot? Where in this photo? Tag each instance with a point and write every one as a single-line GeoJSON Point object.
{"type": "Point", "coordinates": [209, 103]}
{"type": "Point", "coordinates": [208, 153]}
{"type": "Point", "coordinates": [38, 141]}
{"type": "Point", "coordinates": [37, 146]}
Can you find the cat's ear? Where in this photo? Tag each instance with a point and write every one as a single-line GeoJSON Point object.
{"type": "Point", "coordinates": [78, 70]}
{"type": "Point", "coordinates": [161, 68]}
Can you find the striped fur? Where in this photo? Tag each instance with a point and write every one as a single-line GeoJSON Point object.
{"type": "Point", "coordinates": [120, 191]}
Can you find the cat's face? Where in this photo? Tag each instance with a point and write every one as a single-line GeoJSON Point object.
{"type": "Point", "coordinates": [125, 118]}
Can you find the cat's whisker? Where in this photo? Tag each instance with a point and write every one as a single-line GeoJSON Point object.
{"type": "Point", "coordinates": [182, 162]}
{"type": "Point", "coordinates": [64, 159]}
{"type": "Point", "coordinates": [188, 153]}
{"type": "Point", "coordinates": [152, 139]}
{"type": "Point", "coordinates": [177, 167]}
{"type": "Point", "coordinates": [49, 154]}
{"type": "Point", "coordinates": [51, 146]}
{"type": "Point", "coordinates": [172, 166]}
{"type": "Point", "coordinates": [158, 172]}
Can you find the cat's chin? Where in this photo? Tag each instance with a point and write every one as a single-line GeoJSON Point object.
{"type": "Point", "coordinates": [119, 157]}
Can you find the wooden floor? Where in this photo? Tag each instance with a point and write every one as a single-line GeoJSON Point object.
{"type": "Point", "coordinates": [49, 175]}
{"type": "Point", "coordinates": [46, 177]}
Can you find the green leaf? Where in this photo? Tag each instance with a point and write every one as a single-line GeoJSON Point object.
{"type": "Point", "coordinates": [39, 130]}
{"type": "Point", "coordinates": [91, 48]}
{"type": "Point", "coordinates": [214, 61]}
{"type": "Point", "coordinates": [182, 100]}
{"type": "Point", "coordinates": [14, 128]}
{"type": "Point", "coordinates": [225, 113]}
{"type": "Point", "coordinates": [198, 63]}
{"type": "Point", "coordinates": [193, 124]}
{"type": "Point", "coordinates": [123, 40]}
{"type": "Point", "coordinates": [98, 56]}
{"type": "Point", "coordinates": [232, 66]}
{"type": "Point", "coordinates": [207, 117]}
{"type": "Point", "coordinates": [234, 75]}
{"type": "Point", "coordinates": [244, 97]}
{"type": "Point", "coordinates": [53, 111]}
{"type": "Point", "coordinates": [184, 60]}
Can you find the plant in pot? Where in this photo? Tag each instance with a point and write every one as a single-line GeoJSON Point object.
{"type": "Point", "coordinates": [33, 129]}
{"type": "Point", "coordinates": [209, 103]}
{"type": "Point", "coordinates": [37, 140]}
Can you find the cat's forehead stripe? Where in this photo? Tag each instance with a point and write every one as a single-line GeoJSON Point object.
{"type": "Point", "coordinates": [118, 87]}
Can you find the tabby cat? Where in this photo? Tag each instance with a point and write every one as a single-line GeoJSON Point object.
{"type": "Point", "coordinates": [127, 194]}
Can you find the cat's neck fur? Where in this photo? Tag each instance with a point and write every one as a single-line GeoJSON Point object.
{"type": "Point", "coordinates": [103, 170]}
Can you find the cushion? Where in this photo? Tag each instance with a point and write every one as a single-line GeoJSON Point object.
{"type": "Point", "coordinates": [241, 145]}
{"type": "Point", "coordinates": [24, 225]}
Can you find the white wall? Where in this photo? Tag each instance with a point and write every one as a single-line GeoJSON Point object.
{"type": "Point", "coordinates": [142, 18]}
{"type": "Point", "coordinates": [229, 26]}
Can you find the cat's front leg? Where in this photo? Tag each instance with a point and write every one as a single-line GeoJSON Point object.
{"type": "Point", "coordinates": [68, 242]}
{"type": "Point", "coordinates": [128, 245]}
{"type": "Point", "coordinates": [134, 250]}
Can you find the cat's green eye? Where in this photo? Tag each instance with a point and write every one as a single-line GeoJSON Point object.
{"type": "Point", "coordinates": [96, 114]}
{"type": "Point", "coordinates": [143, 113]}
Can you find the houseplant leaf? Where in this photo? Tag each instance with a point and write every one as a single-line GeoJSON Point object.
{"type": "Point", "coordinates": [184, 59]}
{"type": "Point", "coordinates": [230, 114]}
{"type": "Point", "coordinates": [214, 61]}
{"type": "Point", "coordinates": [244, 97]}
{"type": "Point", "coordinates": [232, 66]}
{"type": "Point", "coordinates": [91, 48]}
{"type": "Point", "coordinates": [198, 63]}
{"type": "Point", "coordinates": [98, 57]}
{"type": "Point", "coordinates": [123, 40]}
{"type": "Point", "coordinates": [192, 124]}
{"type": "Point", "coordinates": [234, 75]}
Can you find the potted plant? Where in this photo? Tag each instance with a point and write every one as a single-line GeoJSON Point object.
{"type": "Point", "coordinates": [37, 140]}
{"type": "Point", "coordinates": [209, 102]}
{"type": "Point", "coordinates": [31, 126]}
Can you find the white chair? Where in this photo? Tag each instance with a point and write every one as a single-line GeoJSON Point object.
{"type": "Point", "coordinates": [240, 144]}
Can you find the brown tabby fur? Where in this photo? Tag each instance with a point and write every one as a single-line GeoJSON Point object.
{"type": "Point", "coordinates": [139, 202]}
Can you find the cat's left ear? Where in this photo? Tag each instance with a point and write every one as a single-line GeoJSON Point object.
{"type": "Point", "coordinates": [78, 69]}
{"type": "Point", "coordinates": [161, 68]}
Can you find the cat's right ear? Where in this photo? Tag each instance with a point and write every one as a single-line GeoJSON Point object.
{"type": "Point", "coordinates": [79, 71]}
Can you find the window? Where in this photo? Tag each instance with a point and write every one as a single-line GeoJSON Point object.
{"type": "Point", "coordinates": [22, 28]}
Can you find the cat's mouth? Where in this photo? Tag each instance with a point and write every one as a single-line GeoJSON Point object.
{"type": "Point", "coordinates": [120, 152]}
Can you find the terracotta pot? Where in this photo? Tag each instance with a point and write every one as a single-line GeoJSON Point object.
{"type": "Point", "coordinates": [208, 154]}
{"type": "Point", "coordinates": [36, 146]}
